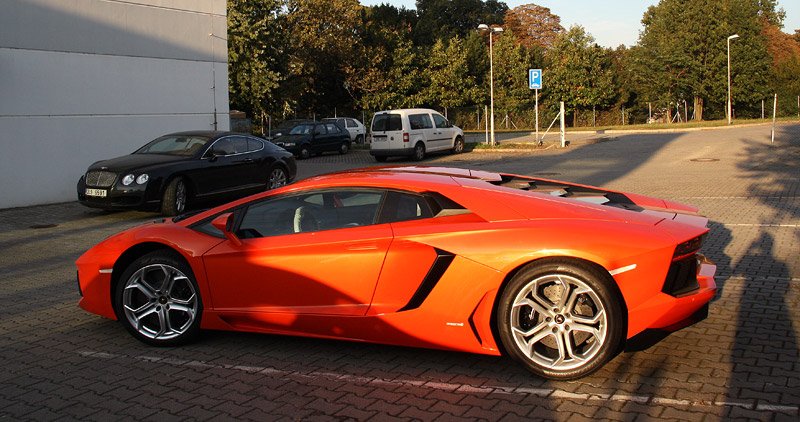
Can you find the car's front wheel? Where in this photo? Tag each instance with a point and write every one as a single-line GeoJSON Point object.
{"type": "Point", "coordinates": [561, 319]}
{"type": "Point", "coordinates": [158, 301]}
{"type": "Point", "coordinates": [277, 178]}
{"type": "Point", "coordinates": [458, 146]}
{"type": "Point", "coordinates": [344, 147]}
{"type": "Point", "coordinates": [305, 152]}
{"type": "Point", "coordinates": [175, 197]}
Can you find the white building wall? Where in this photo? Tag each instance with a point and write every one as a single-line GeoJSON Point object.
{"type": "Point", "coordinates": [85, 80]}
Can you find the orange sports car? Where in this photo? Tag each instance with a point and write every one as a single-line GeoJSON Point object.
{"type": "Point", "coordinates": [556, 275]}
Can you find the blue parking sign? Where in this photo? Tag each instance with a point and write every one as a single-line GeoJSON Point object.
{"type": "Point", "coordinates": [535, 78]}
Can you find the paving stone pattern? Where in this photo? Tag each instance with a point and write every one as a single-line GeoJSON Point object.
{"type": "Point", "coordinates": [59, 362]}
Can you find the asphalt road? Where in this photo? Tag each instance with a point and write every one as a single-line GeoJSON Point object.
{"type": "Point", "coordinates": [59, 362]}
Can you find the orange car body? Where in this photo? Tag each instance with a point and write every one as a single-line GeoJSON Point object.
{"type": "Point", "coordinates": [430, 282]}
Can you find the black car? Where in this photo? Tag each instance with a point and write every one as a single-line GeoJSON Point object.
{"type": "Point", "coordinates": [310, 138]}
{"type": "Point", "coordinates": [185, 168]}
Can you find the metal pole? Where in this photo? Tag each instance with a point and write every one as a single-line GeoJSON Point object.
{"type": "Point", "coordinates": [563, 127]}
{"type": "Point", "coordinates": [537, 114]}
{"type": "Point", "coordinates": [728, 108]}
{"type": "Point", "coordinates": [762, 109]}
{"type": "Point", "coordinates": [774, 112]}
{"type": "Point", "coordinates": [486, 124]}
{"type": "Point", "coordinates": [491, 88]}
{"type": "Point", "coordinates": [649, 112]}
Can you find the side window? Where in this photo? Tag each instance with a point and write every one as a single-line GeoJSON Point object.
{"type": "Point", "coordinates": [400, 206]}
{"type": "Point", "coordinates": [239, 144]}
{"type": "Point", "coordinates": [419, 121]}
{"type": "Point", "coordinates": [332, 128]}
{"type": "Point", "coordinates": [440, 121]}
{"type": "Point", "coordinates": [319, 129]}
{"type": "Point", "coordinates": [254, 145]}
{"type": "Point", "coordinates": [223, 147]}
{"type": "Point", "coordinates": [326, 210]}
{"type": "Point", "coordinates": [351, 123]}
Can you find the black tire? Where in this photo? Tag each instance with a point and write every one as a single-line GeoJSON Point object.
{"type": "Point", "coordinates": [458, 145]}
{"type": "Point", "coordinates": [344, 147]}
{"type": "Point", "coordinates": [380, 158]}
{"type": "Point", "coordinates": [175, 198]}
{"type": "Point", "coordinates": [305, 152]}
{"type": "Point", "coordinates": [419, 152]}
{"type": "Point", "coordinates": [359, 139]}
{"type": "Point", "coordinates": [545, 328]}
{"type": "Point", "coordinates": [143, 301]}
{"type": "Point", "coordinates": [277, 178]}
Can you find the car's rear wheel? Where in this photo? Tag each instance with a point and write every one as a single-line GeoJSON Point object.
{"type": "Point", "coordinates": [305, 152]}
{"type": "Point", "coordinates": [344, 147]}
{"type": "Point", "coordinates": [359, 139]}
{"type": "Point", "coordinates": [380, 159]}
{"type": "Point", "coordinates": [277, 178]}
{"type": "Point", "coordinates": [458, 146]}
{"type": "Point", "coordinates": [563, 320]}
{"type": "Point", "coordinates": [175, 197]}
{"type": "Point", "coordinates": [158, 301]}
{"type": "Point", "coordinates": [419, 151]}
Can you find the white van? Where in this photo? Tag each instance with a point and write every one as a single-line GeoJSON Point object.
{"type": "Point", "coordinates": [413, 133]}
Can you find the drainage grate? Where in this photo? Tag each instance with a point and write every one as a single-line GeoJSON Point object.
{"type": "Point", "coordinates": [704, 160]}
{"type": "Point", "coordinates": [43, 226]}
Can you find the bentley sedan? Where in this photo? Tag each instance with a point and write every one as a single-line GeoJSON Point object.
{"type": "Point", "coordinates": [178, 170]}
{"type": "Point", "coordinates": [556, 275]}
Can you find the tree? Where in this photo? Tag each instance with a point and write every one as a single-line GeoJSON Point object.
{"type": "Point", "coordinates": [683, 52]}
{"type": "Point", "coordinates": [511, 64]}
{"type": "Point", "coordinates": [580, 72]}
{"type": "Point", "coordinates": [444, 19]}
{"type": "Point", "coordinates": [533, 25]}
{"type": "Point", "coordinates": [256, 55]}
{"type": "Point", "coordinates": [448, 81]}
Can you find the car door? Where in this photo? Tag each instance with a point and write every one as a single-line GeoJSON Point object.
{"type": "Point", "coordinates": [421, 130]}
{"type": "Point", "coordinates": [227, 167]}
{"type": "Point", "coordinates": [444, 132]}
{"type": "Point", "coordinates": [311, 253]}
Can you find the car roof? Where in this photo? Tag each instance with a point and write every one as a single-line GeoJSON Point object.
{"type": "Point", "coordinates": [408, 111]}
{"type": "Point", "coordinates": [206, 133]}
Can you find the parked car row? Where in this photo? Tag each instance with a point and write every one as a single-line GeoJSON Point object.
{"type": "Point", "coordinates": [181, 169]}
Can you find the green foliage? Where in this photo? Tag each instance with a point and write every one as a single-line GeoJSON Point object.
{"type": "Point", "coordinates": [444, 19]}
{"type": "Point", "coordinates": [256, 63]}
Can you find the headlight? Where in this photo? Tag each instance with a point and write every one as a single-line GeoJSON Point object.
{"type": "Point", "coordinates": [127, 180]}
{"type": "Point", "coordinates": [142, 179]}
{"type": "Point", "coordinates": [288, 144]}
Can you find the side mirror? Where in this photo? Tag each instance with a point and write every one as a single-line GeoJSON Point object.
{"type": "Point", "coordinates": [224, 223]}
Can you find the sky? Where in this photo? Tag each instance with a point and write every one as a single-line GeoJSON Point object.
{"type": "Point", "coordinates": [611, 22]}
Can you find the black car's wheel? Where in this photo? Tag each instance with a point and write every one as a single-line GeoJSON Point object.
{"type": "Point", "coordinates": [277, 178]}
{"type": "Point", "coordinates": [458, 146]}
{"type": "Point", "coordinates": [359, 139]}
{"type": "Point", "coordinates": [344, 147]}
{"type": "Point", "coordinates": [561, 319]}
{"type": "Point", "coordinates": [175, 197]}
{"type": "Point", "coordinates": [157, 300]}
{"type": "Point", "coordinates": [419, 151]}
{"type": "Point", "coordinates": [380, 159]}
{"type": "Point", "coordinates": [305, 152]}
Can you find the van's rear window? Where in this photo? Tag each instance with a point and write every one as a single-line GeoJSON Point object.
{"type": "Point", "coordinates": [386, 122]}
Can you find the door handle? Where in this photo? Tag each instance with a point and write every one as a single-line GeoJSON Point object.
{"type": "Point", "coordinates": [248, 160]}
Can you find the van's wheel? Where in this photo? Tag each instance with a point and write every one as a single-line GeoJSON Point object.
{"type": "Point", "coordinates": [305, 152]}
{"type": "Point", "coordinates": [380, 159]}
{"type": "Point", "coordinates": [419, 151]}
{"type": "Point", "coordinates": [175, 197]}
{"type": "Point", "coordinates": [458, 146]}
{"type": "Point", "coordinates": [344, 147]}
{"type": "Point", "coordinates": [158, 301]}
{"type": "Point", "coordinates": [563, 320]}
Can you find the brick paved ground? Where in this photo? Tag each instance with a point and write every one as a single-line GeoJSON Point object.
{"type": "Point", "coordinates": [59, 362]}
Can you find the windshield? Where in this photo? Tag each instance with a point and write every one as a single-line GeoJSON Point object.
{"type": "Point", "coordinates": [184, 145]}
{"type": "Point", "coordinates": [302, 130]}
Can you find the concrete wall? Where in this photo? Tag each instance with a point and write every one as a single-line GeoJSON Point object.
{"type": "Point", "coordinates": [84, 80]}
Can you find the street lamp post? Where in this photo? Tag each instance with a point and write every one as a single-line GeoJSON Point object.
{"type": "Point", "coordinates": [730, 106]}
{"type": "Point", "coordinates": [491, 30]}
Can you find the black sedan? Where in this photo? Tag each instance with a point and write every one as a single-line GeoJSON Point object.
{"type": "Point", "coordinates": [315, 138]}
{"type": "Point", "coordinates": [185, 168]}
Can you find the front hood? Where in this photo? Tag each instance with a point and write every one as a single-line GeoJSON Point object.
{"type": "Point", "coordinates": [135, 161]}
